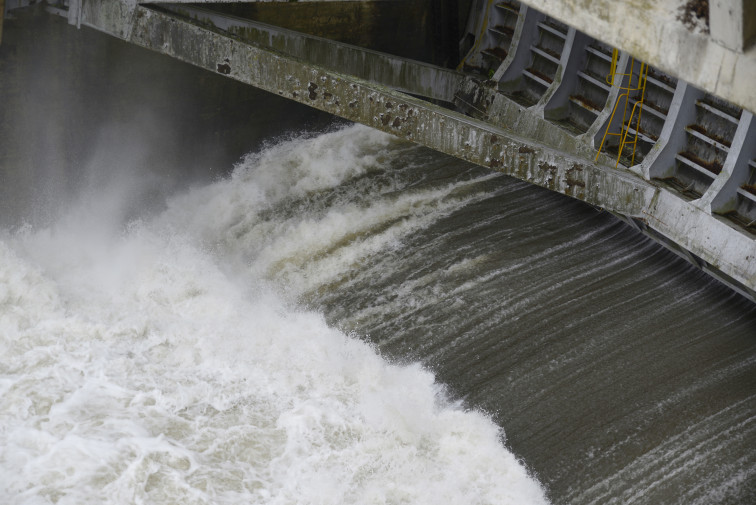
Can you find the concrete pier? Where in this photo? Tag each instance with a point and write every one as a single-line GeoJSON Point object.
{"type": "Point", "coordinates": [529, 97]}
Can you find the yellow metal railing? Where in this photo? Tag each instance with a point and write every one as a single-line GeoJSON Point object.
{"type": "Point", "coordinates": [638, 86]}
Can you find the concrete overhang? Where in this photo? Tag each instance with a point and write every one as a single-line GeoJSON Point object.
{"type": "Point", "coordinates": [652, 31]}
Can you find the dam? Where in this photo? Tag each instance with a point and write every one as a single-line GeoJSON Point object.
{"type": "Point", "coordinates": [213, 293]}
{"type": "Point", "coordinates": [650, 121]}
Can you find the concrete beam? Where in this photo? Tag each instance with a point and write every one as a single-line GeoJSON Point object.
{"type": "Point", "coordinates": [652, 32]}
{"type": "Point", "coordinates": [703, 235]}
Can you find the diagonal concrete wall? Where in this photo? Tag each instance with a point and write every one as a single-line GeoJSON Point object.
{"type": "Point", "coordinates": [396, 72]}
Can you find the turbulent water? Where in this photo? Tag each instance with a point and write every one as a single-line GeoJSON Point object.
{"type": "Point", "coordinates": [165, 360]}
{"type": "Point", "coordinates": [216, 348]}
{"type": "Point", "coordinates": [341, 318]}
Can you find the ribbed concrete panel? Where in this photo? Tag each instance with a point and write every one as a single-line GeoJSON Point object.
{"type": "Point", "coordinates": [652, 32]}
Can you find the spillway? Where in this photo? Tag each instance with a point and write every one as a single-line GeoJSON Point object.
{"type": "Point", "coordinates": [300, 310]}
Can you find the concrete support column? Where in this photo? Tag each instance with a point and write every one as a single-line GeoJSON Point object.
{"type": "Point", "coordinates": [512, 74]}
{"type": "Point", "coordinates": [573, 59]}
{"type": "Point", "coordinates": [558, 81]}
{"type": "Point", "coordinates": [732, 23]}
{"type": "Point", "coordinates": [682, 112]}
{"type": "Point", "coordinates": [660, 157]}
{"type": "Point", "coordinates": [515, 43]}
{"type": "Point", "coordinates": [723, 192]}
{"type": "Point", "coordinates": [2, 15]}
{"type": "Point", "coordinates": [596, 132]}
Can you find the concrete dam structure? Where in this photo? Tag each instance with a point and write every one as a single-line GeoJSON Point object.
{"type": "Point", "coordinates": [644, 113]}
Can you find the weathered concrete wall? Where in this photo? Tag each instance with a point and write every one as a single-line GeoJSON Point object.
{"type": "Point", "coordinates": [400, 73]}
{"type": "Point", "coordinates": [424, 30]}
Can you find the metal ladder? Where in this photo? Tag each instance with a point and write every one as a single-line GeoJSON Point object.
{"type": "Point", "coordinates": [626, 127]}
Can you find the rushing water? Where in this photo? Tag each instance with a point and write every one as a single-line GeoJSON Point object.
{"type": "Point", "coordinates": [167, 361]}
{"type": "Point", "coordinates": [347, 318]}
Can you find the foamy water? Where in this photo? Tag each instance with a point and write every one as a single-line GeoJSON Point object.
{"type": "Point", "coordinates": [167, 360]}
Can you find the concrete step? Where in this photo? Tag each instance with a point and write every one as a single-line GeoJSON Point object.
{"type": "Point", "coordinates": [513, 7]}
{"type": "Point", "coordinates": [708, 140]}
{"type": "Point", "coordinates": [593, 80]}
{"type": "Point", "coordinates": [651, 121]}
{"type": "Point", "coordinates": [627, 158]}
{"type": "Point", "coordinates": [650, 79]}
{"type": "Point", "coordinates": [537, 77]}
{"type": "Point", "coordinates": [717, 111]}
{"type": "Point", "coordinates": [549, 26]}
{"type": "Point", "coordinates": [745, 209]}
{"type": "Point", "coordinates": [588, 96]}
{"type": "Point", "coordinates": [723, 106]}
{"type": "Point", "coordinates": [697, 132]}
{"type": "Point", "coordinates": [644, 136]}
{"type": "Point", "coordinates": [751, 195]}
{"type": "Point", "coordinates": [586, 104]}
{"type": "Point", "coordinates": [650, 107]}
{"type": "Point", "coordinates": [747, 194]}
{"type": "Point", "coordinates": [544, 62]}
{"type": "Point", "coordinates": [496, 53]}
{"type": "Point", "coordinates": [502, 31]}
{"type": "Point", "coordinates": [698, 146]}
{"type": "Point", "coordinates": [598, 52]}
{"type": "Point", "coordinates": [710, 171]}
{"type": "Point", "coordinates": [570, 126]}
{"type": "Point", "coordinates": [545, 53]}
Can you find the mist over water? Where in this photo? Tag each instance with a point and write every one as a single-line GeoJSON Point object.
{"type": "Point", "coordinates": [336, 317]}
{"type": "Point", "coordinates": [155, 359]}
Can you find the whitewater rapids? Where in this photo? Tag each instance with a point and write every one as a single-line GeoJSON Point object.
{"type": "Point", "coordinates": [165, 356]}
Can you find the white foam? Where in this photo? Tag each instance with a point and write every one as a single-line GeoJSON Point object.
{"type": "Point", "coordinates": [136, 369]}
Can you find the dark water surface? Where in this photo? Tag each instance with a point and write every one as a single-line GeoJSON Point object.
{"type": "Point", "coordinates": [619, 373]}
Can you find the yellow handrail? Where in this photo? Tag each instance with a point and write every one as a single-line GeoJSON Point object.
{"type": "Point", "coordinates": [640, 86]}
{"type": "Point", "coordinates": [613, 68]}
